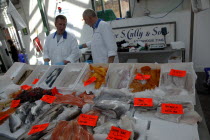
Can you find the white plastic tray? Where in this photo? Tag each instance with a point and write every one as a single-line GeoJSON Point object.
{"type": "Point", "coordinates": [41, 83]}
{"type": "Point", "coordinates": [38, 72]}
{"type": "Point", "coordinates": [63, 77]}
{"type": "Point", "coordinates": [80, 84]}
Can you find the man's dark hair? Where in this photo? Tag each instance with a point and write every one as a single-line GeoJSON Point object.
{"type": "Point", "coordinates": [10, 42]}
{"type": "Point", "coordinates": [60, 17]}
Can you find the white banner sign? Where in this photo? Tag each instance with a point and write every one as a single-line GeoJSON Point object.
{"type": "Point", "coordinates": [150, 34]}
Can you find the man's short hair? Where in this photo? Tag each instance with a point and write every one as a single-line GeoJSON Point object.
{"type": "Point", "coordinates": [60, 17]}
{"type": "Point", "coordinates": [89, 13]}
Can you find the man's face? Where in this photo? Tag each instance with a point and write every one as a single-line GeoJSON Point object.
{"type": "Point", "coordinates": [60, 24]}
{"type": "Point", "coordinates": [88, 20]}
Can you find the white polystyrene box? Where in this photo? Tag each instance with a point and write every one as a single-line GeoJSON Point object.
{"type": "Point", "coordinates": [191, 79]}
{"type": "Point", "coordinates": [36, 74]}
{"type": "Point", "coordinates": [80, 84]}
{"type": "Point", "coordinates": [114, 67]}
{"type": "Point", "coordinates": [164, 130]}
{"type": "Point", "coordinates": [22, 71]}
{"type": "Point", "coordinates": [13, 71]}
{"type": "Point", "coordinates": [71, 67]}
{"type": "Point", "coordinates": [41, 83]}
{"type": "Point", "coordinates": [138, 66]}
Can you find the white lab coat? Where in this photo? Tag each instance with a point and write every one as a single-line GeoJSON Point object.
{"type": "Point", "coordinates": [66, 49]}
{"type": "Point", "coordinates": [103, 44]}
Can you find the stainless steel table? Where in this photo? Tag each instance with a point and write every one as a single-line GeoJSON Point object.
{"type": "Point", "coordinates": [147, 56]}
{"type": "Point", "coordinates": [151, 56]}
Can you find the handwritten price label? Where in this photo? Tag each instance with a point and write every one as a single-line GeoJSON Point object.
{"type": "Point", "coordinates": [3, 117]}
{"type": "Point", "coordinates": [38, 128]}
{"type": "Point", "coordinates": [143, 102]}
{"type": "Point", "coordinates": [89, 81]}
{"type": "Point", "coordinates": [48, 98]}
{"type": "Point", "coordinates": [26, 87]}
{"type": "Point", "coordinates": [89, 120]}
{"type": "Point", "coordinates": [35, 81]}
{"type": "Point", "coordinates": [15, 103]}
{"type": "Point", "coordinates": [118, 134]}
{"type": "Point", "coordinates": [55, 91]}
{"type": "Point", "coordinates": [142, 77]}
{"type": "Point", "coordinates": [171, 108]}
{"type": "Point", "coordinates": [178, 73]}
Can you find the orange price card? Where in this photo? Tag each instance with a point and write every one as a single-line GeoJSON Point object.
{"type": "Point", "coordinates": [178, 73]}
{"type": "Point", "coordinates": [118, 134]}
{"type": "Point", "coordinates": [48, 99]}
{"type": "Point", "coordinates": [38, 128]}
{"type": "Point", "coordinates": [89, 81]}
{"type": "Point", "coordinates": [143, 102]}
{"type": "Point", "coordinates": [3, 117]}
{"type": "Point", "coordinates": [171, 108]}
{"type": "Point", "coordinates": [55, 91]}
{"type": "Point", "coordinates": [142, 77]}
{"type": "Point", "coordinates": [15, 103]}
{"type": "Point", "coordinates": [89, 120]}
{"type": "Point", "coordinates": [35, 81]}
{"type": "Point", "coordinates": [26, 87]}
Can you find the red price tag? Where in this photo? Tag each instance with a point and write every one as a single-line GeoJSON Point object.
{"type": "Point", "coordinates": [15, 103]}
{"type": "Point", "coordinates": [89, 120]}
{"type": "Point", "coordinates": [26, 87]}
{"type": "Point", "coordinates": [118, 134]}
{"type": "Point", "coordinates": [89, 81]}
{"type": "Point", "coordinates": [38, 128]}
{"type": "Point", "coordinates": [142, 77]}
{"type": "Point", "coordinates": [143, 102]}
{"type": "Point", "coordinates": [35, 81]}
{"type": "Point", "coordinates": [55, 91]}
{"type": "Point", "coordinates": [171, 108]}
{"type": "Point", "coordinates": [178, 73]}
{"type": "Point", "coordinates": [48, 98]}
{"type": "Point", "coordinates": [3, 117]}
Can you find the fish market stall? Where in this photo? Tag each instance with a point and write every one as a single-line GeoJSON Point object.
{"type": "Point", "coordinates": [147, 101]}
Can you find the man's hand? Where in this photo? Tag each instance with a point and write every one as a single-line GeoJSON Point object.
{"type": "Point", "coordinates": [46, 61]}
{"type": "Point", "coordinates": [65, 62]}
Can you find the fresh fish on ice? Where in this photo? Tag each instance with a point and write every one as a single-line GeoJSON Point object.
{"type": "Point", "coordinates": [14, 123]}
{"type": "Point", "coordinates": [118, 108]}
{"type": "Point", "coordinates": [52, 76]}
{"type": "Point", "coordinates": [68, 113]}
{"type": "Point", "coordinates": [119, 78]}
{"type": "Point", "coordinates": [114, 94]}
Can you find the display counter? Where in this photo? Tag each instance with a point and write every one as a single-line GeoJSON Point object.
{"type": "Point", "coordinates": [81, 89]}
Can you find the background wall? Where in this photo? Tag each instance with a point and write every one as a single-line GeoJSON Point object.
{"type": "Point", "coordinates": [201, 40]}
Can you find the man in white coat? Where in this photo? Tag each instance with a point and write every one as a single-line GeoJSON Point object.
{"type": "Point", "coordinates": [103, 45]}
{"type": "Point", "coordinates": [61, 47]}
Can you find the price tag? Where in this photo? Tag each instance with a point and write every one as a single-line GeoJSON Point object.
{"type": "Point", "coordinates": [15, 103]}
{"type": "Point", "coordinates": [48, 98]}
{"type": "Point", "coordinates": [38, 128]}
{"type": "Point", "coordinates": [26, 87]}
{"type": "Point", "coordinates": [178, 73]}
{"type": "Point", "coordinates": [118, 134]}
{"type": "Point", "coordinates": [143, 102]}
{"type": "Point", "coordinates": [89, 81]}
{"type": "Point", "coordinates": [55, 91]}
{"type": "Point", "coordinates": [35, 81]}
{"type": "Point", "coordinates": [171, 108]}
{"type": "Point", "coordinates": [89, 120]}
{"type": "Point", "coordinates": [3, 117]}
{"type": "Point", "coordinates": [142, 77]}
